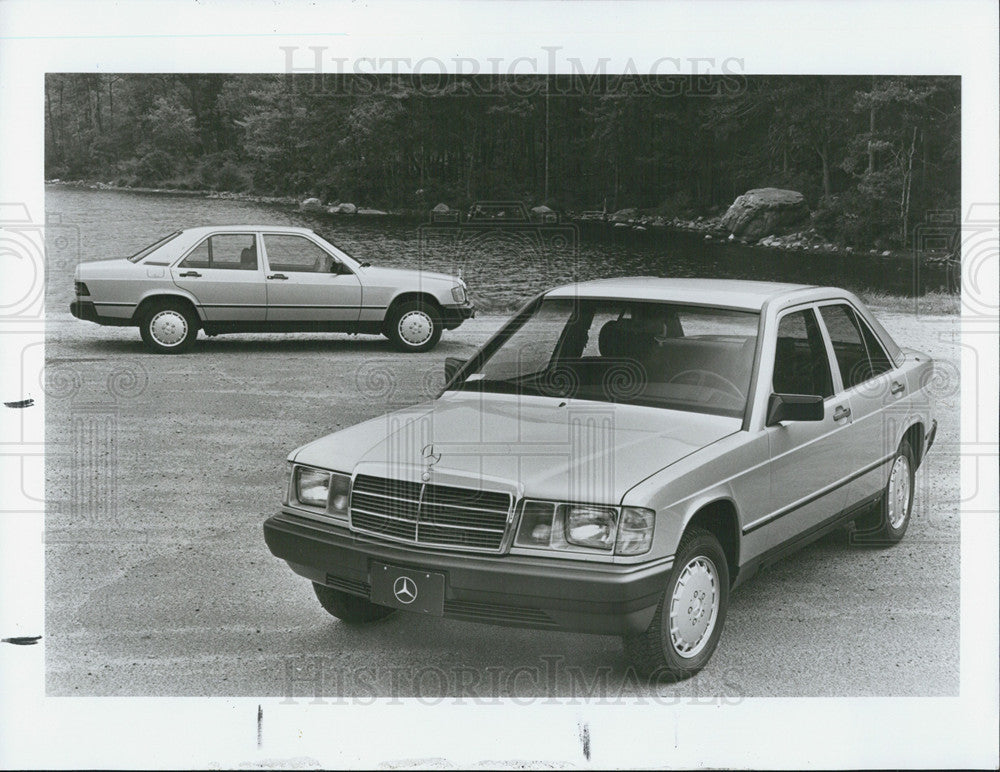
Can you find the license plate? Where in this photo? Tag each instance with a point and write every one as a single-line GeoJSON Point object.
{"type": "Point", "coordinates": [408, 588]}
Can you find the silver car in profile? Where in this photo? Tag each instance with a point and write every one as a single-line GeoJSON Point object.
{"type": "Point", "coordinates": [617, 458]}
{"type": "Point", "coordinates": [250, 278]}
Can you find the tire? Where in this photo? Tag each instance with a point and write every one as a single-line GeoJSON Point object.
{"type": "Point", "coordinates": [413, 326]}
{"type": "Point", "coordinates": [349, 608]}
{"type": "Point", "coordinates": [700, 573]}
{"type": "Point", "coordinates": [168, 327]}
{"type": "Point", "coordinates": [886, 524]}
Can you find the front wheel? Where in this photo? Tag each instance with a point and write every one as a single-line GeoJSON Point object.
{"type": "Point", "coordinates": [688, 622]}
{"type": "Point", "coordinates": [886, 524]}
{"type": "Point", "coordinates": [352, 609]}
{"type": "Point", "coordinates": [413, 326]}
{"type": "Point", "coordinates": [168, 328]}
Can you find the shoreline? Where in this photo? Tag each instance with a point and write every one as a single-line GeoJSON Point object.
{"type": "Point", "coordinates": [805, 241]}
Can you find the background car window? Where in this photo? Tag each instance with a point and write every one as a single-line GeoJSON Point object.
{"type": "Point", "coordinates": [296, 253]}
{"type": "Point", "coordinates": [227, 251]}
{"type": "Point", "coordinates": [849, 346]}
{"type": "Point", "coordinates": [801, 365]}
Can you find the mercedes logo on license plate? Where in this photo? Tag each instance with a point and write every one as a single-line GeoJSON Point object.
{"type": "Point", "coordinates": [405, 590]}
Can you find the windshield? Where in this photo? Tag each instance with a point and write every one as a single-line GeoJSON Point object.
{"type": "Point", "coordinates": [683, 357]}
{"type": "Point", "coordinates": [155, 245]}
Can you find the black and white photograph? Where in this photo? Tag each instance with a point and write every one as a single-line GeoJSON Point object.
{"type": "Point", "coordinates": [528, 385]}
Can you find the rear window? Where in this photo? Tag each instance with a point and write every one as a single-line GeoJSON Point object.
{"type": "Point", "coordinates": [154, 246]}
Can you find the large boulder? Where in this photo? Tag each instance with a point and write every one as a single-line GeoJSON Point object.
{"type": "Point", "coordinates": [311, 205]}
{"type": "Point", "coordinates": [763, 211]}
{"type": "Point", "coordinates": [347, 208]}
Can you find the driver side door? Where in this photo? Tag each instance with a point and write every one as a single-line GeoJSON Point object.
{"type": "Point", "coordinates": [305, 283]}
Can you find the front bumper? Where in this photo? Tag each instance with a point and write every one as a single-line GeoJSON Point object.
{"type": "Point", "coordinates": [453, 316]}
{"type": "Point", "coordinates": [540, 593]}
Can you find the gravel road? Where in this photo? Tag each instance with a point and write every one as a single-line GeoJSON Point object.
{"type": "Point", "coordinates": [161, 470]}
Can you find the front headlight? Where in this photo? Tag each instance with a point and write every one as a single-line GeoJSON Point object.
{"type": "Point", "coordinates": [329, 491]}
{"type": "Point", "coordinates": [585, 527]}
{"type": "Point", "coordinates": [590, 526]}
{"type": "Point", "coordinates": [458, 293]}
{"type": "Point", "coordinates": [312, 487]}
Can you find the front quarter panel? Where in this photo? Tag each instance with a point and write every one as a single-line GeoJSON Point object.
{"type": "Point", "coordinates": [733, 469]}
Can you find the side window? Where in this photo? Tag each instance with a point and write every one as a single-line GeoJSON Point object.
{"type": "Point", "coordinates": [227, 251]}
{"type": "Point", "coordinates": [878, 359]}
{"type": "Point", "coordinates": [849, 345]}
{"type": "Point", "coordinates": [288, 252]}
{"type": "Point", "coordinates": [801, 365]}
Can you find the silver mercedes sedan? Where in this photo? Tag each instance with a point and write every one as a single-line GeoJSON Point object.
{"type": "Point", "coordinates": [264, 279]}
{"type": "Point", "coordinates": [617, 458]}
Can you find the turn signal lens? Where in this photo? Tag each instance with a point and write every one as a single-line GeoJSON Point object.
{"type": "Point", "coordinates": [458, 293]}
{"type": "Point", "coordinates": [635, 534]}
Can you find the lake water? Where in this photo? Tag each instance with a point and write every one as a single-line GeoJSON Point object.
{"type": "Point", "coordinates": [503, 265]}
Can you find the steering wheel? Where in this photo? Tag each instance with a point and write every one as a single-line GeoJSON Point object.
{"type": "Point", "coordinates": [704, 376]}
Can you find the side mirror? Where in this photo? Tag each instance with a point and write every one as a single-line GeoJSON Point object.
{"type": "Point", "coordinates": [336, 267]}
{"type": "Point", "coordinates": [451, 366]}
{"type": "Point", "coordinates": [794, 407]}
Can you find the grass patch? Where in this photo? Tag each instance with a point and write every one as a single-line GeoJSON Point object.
{"type": "Point", "coordinates": [931, 303]}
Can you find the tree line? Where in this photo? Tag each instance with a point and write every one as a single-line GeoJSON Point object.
{"type": "Point", "coordinates": [872, 154]}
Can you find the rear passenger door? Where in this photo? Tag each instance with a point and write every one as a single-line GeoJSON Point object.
{"type": "Point", "coordinates": [809, 459]}
{"type": "Point", "coordinates": [866, 375]}
{"type": "Point", "coordinates": [224, 274]}
{"type": "Point", "coordinates": [305, 283]}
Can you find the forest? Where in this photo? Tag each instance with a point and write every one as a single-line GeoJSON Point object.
{"type": "Point", "coordinates": [873, 155]}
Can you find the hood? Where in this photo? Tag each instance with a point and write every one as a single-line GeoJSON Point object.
{"type": "Point", "coordinates": [407, 276]}
{"type": "Point", "coordinates": [539, 447]}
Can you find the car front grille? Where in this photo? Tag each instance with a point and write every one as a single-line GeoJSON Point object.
{"type": "Point", "coordinates": [424, 513]}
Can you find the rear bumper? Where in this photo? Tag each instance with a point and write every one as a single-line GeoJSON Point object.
{"type": "Point", "coordinates": [453, 316]}
{"type": "Point", "coordinates": [86, 310]}
{"type": "Point", "coordinates": [83, 309]}
{"type": "Point", "coordinates": [540, 593]}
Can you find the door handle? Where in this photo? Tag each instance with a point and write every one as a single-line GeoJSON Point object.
{"type": "Point", "coordinates": [841, 413]}
{"type": "Point", "coordinates": [277, 276]}
{"type": "Point", "coordinates": [896, 387]}
{"type": "Point", "coordinates": [190, 275]}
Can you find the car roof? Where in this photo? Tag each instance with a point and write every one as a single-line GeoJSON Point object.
{"type": "Point", "coordinates": [730, 293]}
{"type": "Point", "coordinates": [206, 229]}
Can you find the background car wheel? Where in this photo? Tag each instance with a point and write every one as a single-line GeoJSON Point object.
{"type": "Point", "coordinates": [349, 608]}
{"type": "Point", "coordinates": [414, 326]}
{"type": "Point", "coordinates": [887, 522]}
{"type": "Point", "coordinates": [688, 622]}
{"type": "Point", "coordinates": [168, 328]}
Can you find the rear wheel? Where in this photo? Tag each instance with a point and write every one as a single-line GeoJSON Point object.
{"type": "Point", "coordinates": [168, 327]}
{"type": "Point", "coordinates": [352, 609]}
{"type": "Point", "coordinates": [886, 524]}
{"type": "Point", "coordinates": [688, 622]}
{"type": "Point", "coordinates": [413, 326]}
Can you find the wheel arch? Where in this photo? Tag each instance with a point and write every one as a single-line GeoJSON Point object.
{"type": "Point", "coordinates": [409, 295]}
{"type": "Point", "coordinates": [915, 434]}
{"type": "Point", "coordinates": [157, 297]}
{"type": "Point", "coordinates": [720, 518]}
